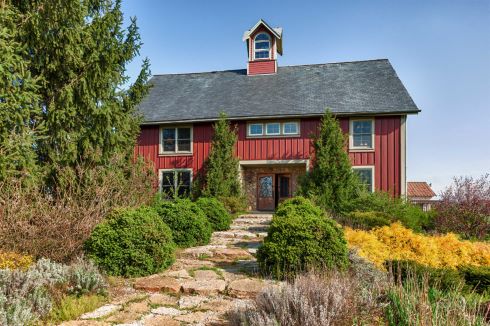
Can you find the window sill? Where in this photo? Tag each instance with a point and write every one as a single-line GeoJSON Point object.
{"type": "Point", "coordinates": [357, 149]}
{"type": "Point", "coordinates": [176, 154]}
{"type": "Point", "coordinates": [272, 137]}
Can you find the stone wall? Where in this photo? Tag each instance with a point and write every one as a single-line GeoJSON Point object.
{"type": "Point", "coordinates": [249, 179]}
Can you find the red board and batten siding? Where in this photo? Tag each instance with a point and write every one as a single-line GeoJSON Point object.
{"type": "Point", "coordinates": [385, 157]}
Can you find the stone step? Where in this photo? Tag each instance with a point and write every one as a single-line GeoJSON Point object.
{"type": "Point", "coordinates": [254, 228]}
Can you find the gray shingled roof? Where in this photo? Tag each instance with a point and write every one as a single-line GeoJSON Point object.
{"type": "Point", "coordinates": [363, 87]}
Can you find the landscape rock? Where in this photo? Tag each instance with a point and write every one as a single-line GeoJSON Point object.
{"type": "Point", "coordinates": [137, 307]}
{"type": "Point", "coordinates": [181, 273]}
{"type": "Point", "coordinates": [218, 305]}
{"type": "Point", "coordinates": [231, 254]}
{"type": "Point", "coordinates": [188, 302]}
{"type": "Point", "coordinates": [197, 317]}
{"type": "Point", "coordinates": [157, 283]}
{"type": "Point", "coordinates": [84, 323]}
{"type": "Point", "coordinates": [205, 287]}
{"type": "Point", "coordinates": [158, 320]}
{"type": "Point", "coordinates": [124, 317]}
{"type": "Point", "coordinates": [167, 311]}
{"type": "Point", "coordinates": [245, 288]}
{"type": "Point", "coordinates": [101, 311]}
{"type": "Point", "coordinates": [203, 275]}
{"type": "Point", "coordinates": [162, 299]}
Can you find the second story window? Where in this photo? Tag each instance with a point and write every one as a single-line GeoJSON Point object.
{"type": "Point", "coordinates": [361, 134]}
{"type": "Point", "coordinates": [273, 129]}
{"type": "Point", "coordinates": [176, 140]}
{"type": "Point", "coordinates": [262, 46]}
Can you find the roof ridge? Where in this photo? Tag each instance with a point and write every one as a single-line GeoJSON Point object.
{"type": "Point", "coordinates": [279, 67]}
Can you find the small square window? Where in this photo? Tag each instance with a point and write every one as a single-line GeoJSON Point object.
{"type": "Point", "coordinates": [255, 129]}
{"type": "Point", "coordinates": [290, 128]}
{"type": "Point", "coordinates": [176, 140]}
{"type": "Point", "coordinates": [365, 177]}
{"type": "Point", "coordinates": [176, 182]}
{"type": "Point", "coordinates": [273, 128]}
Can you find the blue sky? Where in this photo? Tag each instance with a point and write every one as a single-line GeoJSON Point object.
{"type": "Point", "coordinates": [440, 50]}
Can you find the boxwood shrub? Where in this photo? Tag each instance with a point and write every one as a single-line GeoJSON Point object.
{"type": "Point", "coordinates": [188, 222]}
{"type": "Point", "coordinates": [216, 213]}
{"type": "Point", "coordinates": [132, 242]}
{"type": "Point", "coordinates": [301, 237]}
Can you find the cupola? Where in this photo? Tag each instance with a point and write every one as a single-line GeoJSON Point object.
{"type": "Point", "coordinates": [264, 43]}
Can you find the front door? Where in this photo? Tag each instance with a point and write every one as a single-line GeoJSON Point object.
{"type": "Point", "coordinates": [265, 192]}
{"type": "Point", "coordinates": [283, 187]}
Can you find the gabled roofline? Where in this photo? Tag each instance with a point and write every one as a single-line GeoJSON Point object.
{"type": "Point", "coordinates": [282, 116]}
{"type": "Point", "coordinates": [247, 34]}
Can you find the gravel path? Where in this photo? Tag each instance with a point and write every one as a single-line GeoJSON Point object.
{"type": "Point", "coordinates": [198, 289]}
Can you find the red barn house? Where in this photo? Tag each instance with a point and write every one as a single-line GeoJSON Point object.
{"type": "Point", "coordinates": [277, 109]}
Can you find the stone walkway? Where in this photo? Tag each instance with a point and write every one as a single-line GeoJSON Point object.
{"type": "Point", "coordinates": [198, 289]}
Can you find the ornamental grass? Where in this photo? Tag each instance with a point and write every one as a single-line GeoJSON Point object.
{"type": "Point", "coordinates": [396, 242]}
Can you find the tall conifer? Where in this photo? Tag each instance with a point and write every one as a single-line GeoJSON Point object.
{"type": "Point", "coordinates": [221, 179]}
{"type": "Point", "coordinates": [331, 182]}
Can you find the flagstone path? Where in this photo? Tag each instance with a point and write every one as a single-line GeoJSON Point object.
{"type": "Point", "coordinates": [198, 289]}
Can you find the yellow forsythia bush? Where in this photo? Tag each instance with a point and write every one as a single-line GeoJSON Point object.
{"type": "Point", "coordinates": [14, 260]}
{"type": "Point", "coordinates": [396, 242]}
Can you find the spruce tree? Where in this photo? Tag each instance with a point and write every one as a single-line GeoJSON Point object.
{"type": "Point", "coordinates": [331, 182]}
{"type": "Point", "coordinates": [78, 50]}
{"type": "Point", "coordinates": [19, 111]}
{"type": "Point", "coordinates": [221, 178]}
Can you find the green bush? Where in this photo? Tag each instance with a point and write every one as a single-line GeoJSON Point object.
{"type": "Point", "coordinates": [298, 206]}
{"type": "Point", "coordinates": [365, 220]}
{"type": "Point", "coordinates": [397, 209]}
{"type": "Point", "coordinates": [234, 204]}
{"type": "Point", "coordinates": [476, 278]}
{"type": "Point", "coordinates": [216, 213]}
{"type": "Point", "coordinates": [132, 242]}
{"type": "Point", "coordinates": [301, 240]}
{"type": "Point", "coordinates": [188, 222]}
{"type": "Point", "coordinates": [440, 278]}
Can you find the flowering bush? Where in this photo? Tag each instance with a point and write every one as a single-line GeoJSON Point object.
{"type": "Point", "coordinates": [12, 260]}
{"type": "Point", "coordinates": [396, 242]}
{"type": "Point", "coordinates": [464, 208]}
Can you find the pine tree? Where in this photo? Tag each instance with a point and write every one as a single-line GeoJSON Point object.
{"type": "Point", "coordinates": [331, 182]}
{"type": "Point", "coordinates": [221, 178]}
{"type": "Point", "coordinates": [18, 102]}
{"type": "Point", "coordinates": [79, 51]}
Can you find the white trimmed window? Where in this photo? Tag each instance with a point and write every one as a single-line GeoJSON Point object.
{"type": "Point", "coordinates": [361, 134]}
{"type": "Point", "coordinates": [175, 140]}
{"type": "Point", "coordinates": [262, 46]}
{"type": "Point", "coordinates": [175, 182]}
{"type": "Point", "coordinates": [256, 129]}
{"type": "Point", "coordinates": [273, 129]}
{"type": "Point", "coordinates": [290, 128]}
{"type": "Point", "coordinates": [366, 176]}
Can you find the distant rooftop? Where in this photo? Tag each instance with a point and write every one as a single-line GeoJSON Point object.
{"type": "Point", "coordinates": [346, 88]}
{"type": "Point", "coordinates": [419, 189]}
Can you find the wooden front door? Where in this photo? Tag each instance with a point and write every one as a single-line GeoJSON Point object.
{"type": "Point", "coordinates": [266, 192]}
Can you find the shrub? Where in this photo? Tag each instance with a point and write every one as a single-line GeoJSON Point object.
{"type": "Point", "coordinates": [476, 278]}
{"type": "Point", "coordinates": [464, 208]}
{"type": "Point", "coordinates": [298, 206]}
{"type": "Point", "coordinates": [396, 242]}
{"type": "Point", "coordinates": [297, 242]}
{"type": "Point", "coordinates": [132, 242]}
{"type": "Point", "coordinates": [71, 307]}
{"type": "Point", "coordinates": [39, 223]}
{"type": "Point", "coordinates": [365, 220]}
{"type": "Point", "coordinates": [188, 223]}
{"type": "Point", "coordinates": [234, 204]}
{"type": "Point", "coordinates": [14, 260]}
{"type": "Point", "coordinates": [216, 213]}
{"type": "Point", "coordinates": [26, 296]}
{"type": "Point", "coordinates": [394, 209]}
{"type": "Point", "coordinates": [441, 278]}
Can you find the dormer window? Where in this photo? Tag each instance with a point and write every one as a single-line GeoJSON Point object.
{"type": "Point", "coordinates": [262, 44]}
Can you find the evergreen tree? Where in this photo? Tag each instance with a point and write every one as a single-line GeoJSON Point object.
{"type": "Point", "coordinates": [331, 182]}
{"type": "Point", "coordinates": [18, 102]}
{"type": "Point", "coordinates": [221, 179]}
{"type": "Point", "coordinates": [78, 49]}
